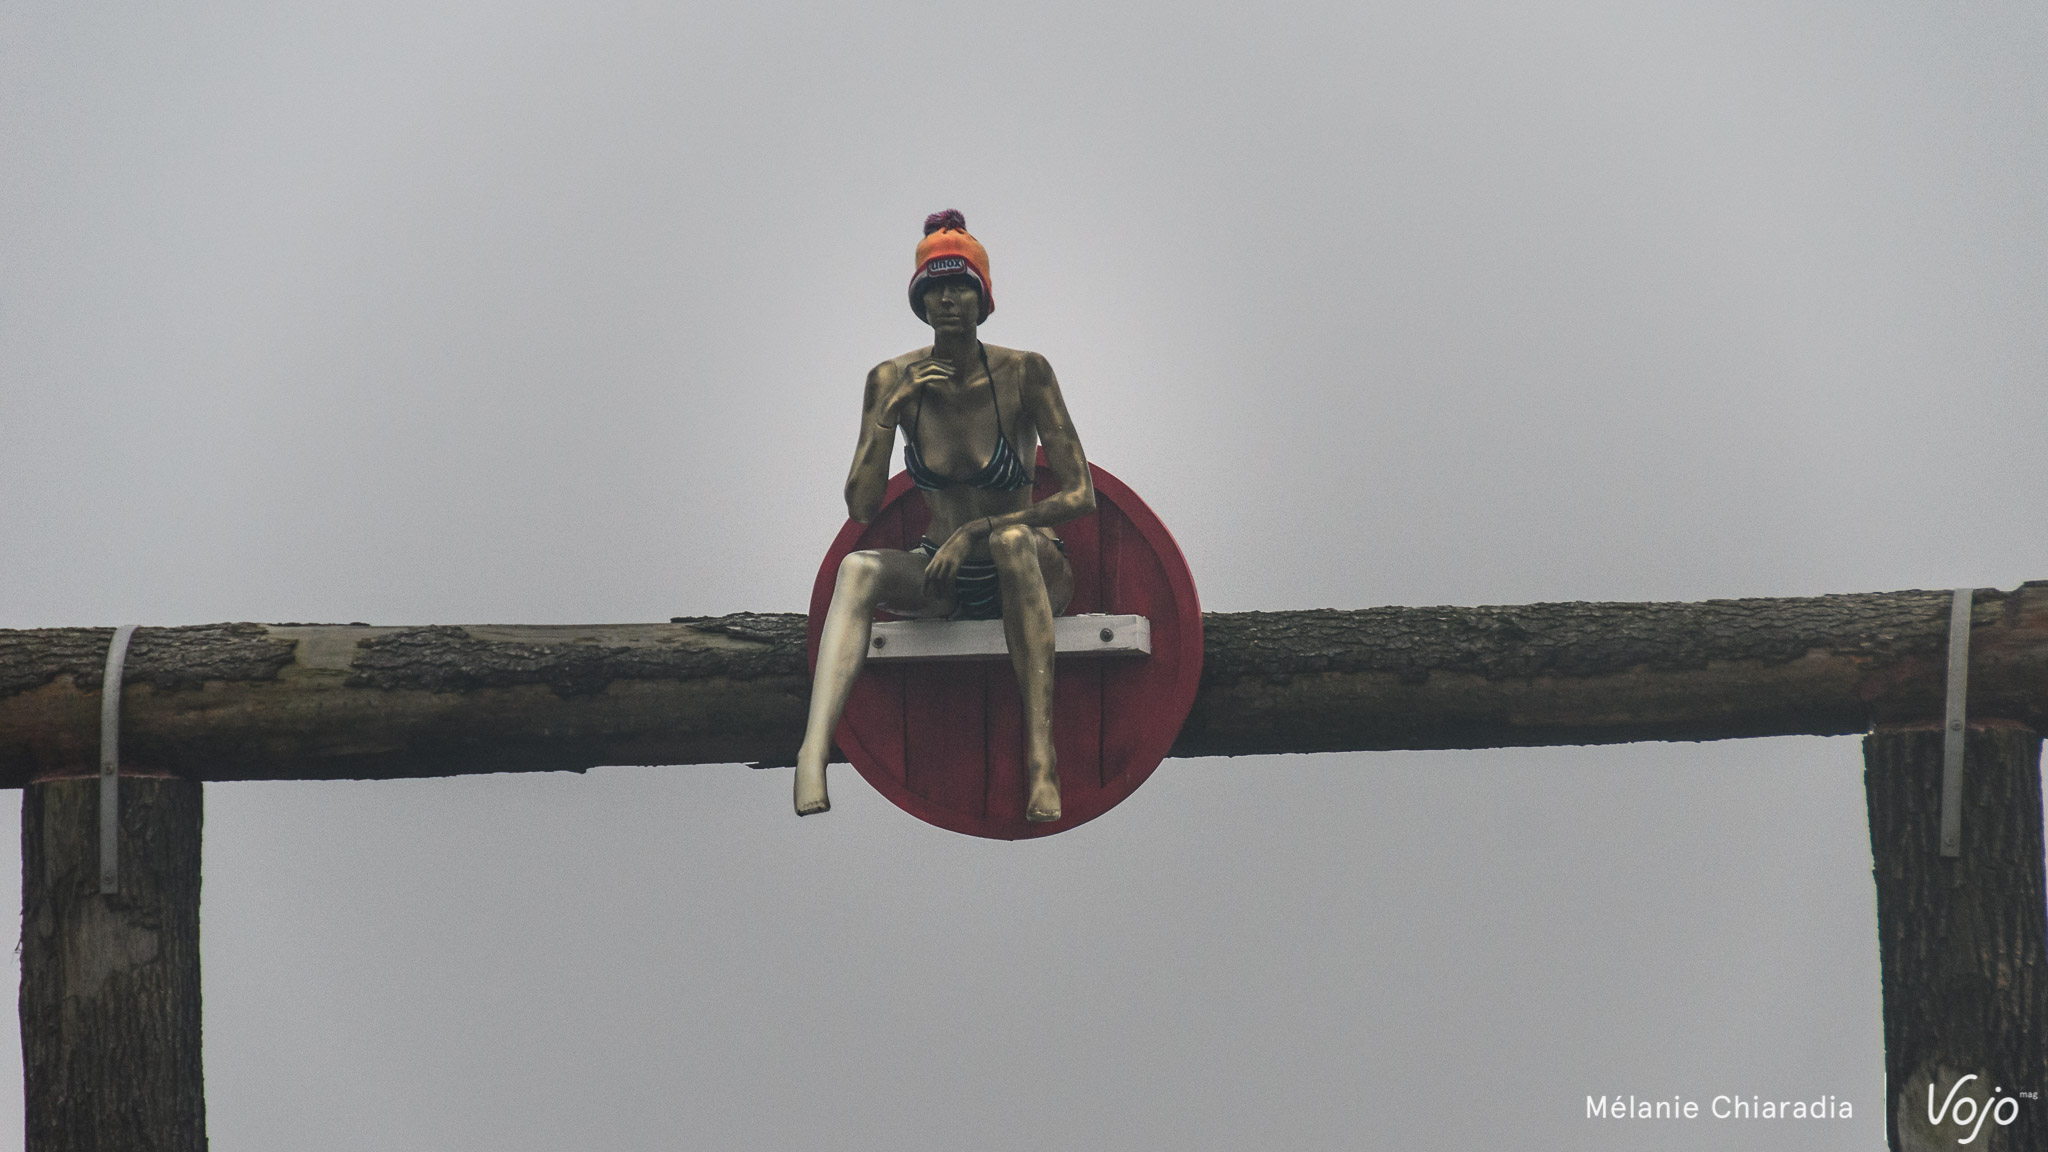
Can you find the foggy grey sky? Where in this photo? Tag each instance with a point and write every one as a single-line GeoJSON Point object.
{"type": "Point", "coordinates": [542, 312]}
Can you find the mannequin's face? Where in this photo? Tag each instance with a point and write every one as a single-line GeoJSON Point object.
{"type": "Point", "coordinates": [952, 305]}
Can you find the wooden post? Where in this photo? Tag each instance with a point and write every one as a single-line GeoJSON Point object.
{"type": "Point", "coordinates": [1961, 941]}
{"type": "Point", "coordinates": [110, 984]}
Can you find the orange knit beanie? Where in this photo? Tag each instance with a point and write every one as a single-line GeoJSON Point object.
{"type": "Point", "coordinates": [948, 250]}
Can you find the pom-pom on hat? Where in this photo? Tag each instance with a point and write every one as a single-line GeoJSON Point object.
{"type": "Point", "coordinates": [947, 250]}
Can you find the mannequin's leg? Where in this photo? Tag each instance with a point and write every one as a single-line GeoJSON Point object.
{"type": "Point", "coordinates": [1032, 570]}
{"type": "Point", "coordinates": [866, 580]}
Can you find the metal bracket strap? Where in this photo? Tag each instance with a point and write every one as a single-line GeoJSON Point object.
{"type": "Point", "coordinates": [1953, 723]}
{"type": "Point", "coordinates": [110, 761]}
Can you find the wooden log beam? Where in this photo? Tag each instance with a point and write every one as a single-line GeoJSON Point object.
{"type": "Point", "coordinates": [275, 702]}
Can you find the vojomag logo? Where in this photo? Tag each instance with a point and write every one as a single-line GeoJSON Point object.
{"type": "Point", "coordinates": [1969, 1112]}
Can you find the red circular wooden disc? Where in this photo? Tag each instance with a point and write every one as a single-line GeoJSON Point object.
{"type": "Point", "coordinates": [945, 741]}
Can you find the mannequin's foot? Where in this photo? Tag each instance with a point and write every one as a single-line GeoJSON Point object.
{"type": "Point", "coordinates": [1042, 802]}
{"type": "Point", "coordinates": [810, 790]}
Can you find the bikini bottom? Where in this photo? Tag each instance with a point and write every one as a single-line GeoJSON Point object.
{"type": "Point", "coordinates": [977, 589]}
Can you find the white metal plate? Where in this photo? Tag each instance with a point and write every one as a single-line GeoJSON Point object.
{"type": "Point", "coordinates": [1094, 634]}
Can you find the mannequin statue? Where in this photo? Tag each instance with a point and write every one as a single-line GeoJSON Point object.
{"type": "Point", "coordinates": [973, 416]}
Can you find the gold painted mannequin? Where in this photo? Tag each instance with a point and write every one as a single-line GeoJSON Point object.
{"type": "Point", "coordinates": [941, 396]}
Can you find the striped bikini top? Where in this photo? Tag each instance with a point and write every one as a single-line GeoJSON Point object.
{"type": "Point", "coordinates": [1004, 472]}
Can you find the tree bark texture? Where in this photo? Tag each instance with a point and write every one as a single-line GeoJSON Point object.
{"type": "Point", "coordinates": [110, 983]}
{"type": "Point", "coordinates": [269, 702]}
{"type": "Point", "coordinates": [1961, 940]}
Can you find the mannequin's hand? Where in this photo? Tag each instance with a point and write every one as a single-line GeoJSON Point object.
{"type": "Point", "coordinates": [930, 371]}
{"type": "Point", "coordinates": [944, 565]}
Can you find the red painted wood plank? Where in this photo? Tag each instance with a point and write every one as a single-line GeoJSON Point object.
{"type": "Point", "coordinates": [1077, 732]}
{"type": "Point", "coordinates": [1128, 689]}
{"type": "Point", "coordinates": [945, 736]}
